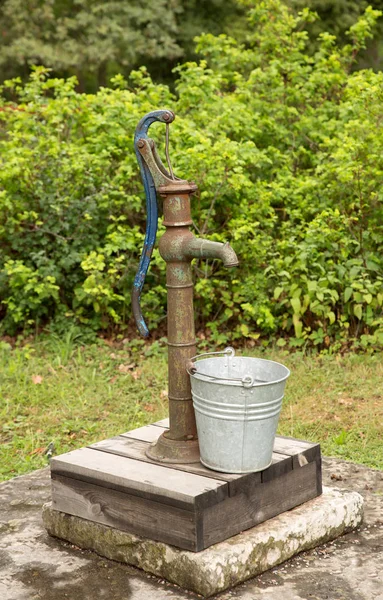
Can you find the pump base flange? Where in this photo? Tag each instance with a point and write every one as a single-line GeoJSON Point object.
{"type": "Point", "coordinates": [166, 450]}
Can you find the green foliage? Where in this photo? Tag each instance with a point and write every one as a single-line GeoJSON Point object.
{"type": "Point", "coordinates": [94, 39]}
{"type": "Point", "coordinates": [337, 17]}
{"type": "Point", "coordinates": [286, 150]}
{"type": "Point", "coordinates": [69, 200]}
{"type": "Point", "coordinates": [84, 37]}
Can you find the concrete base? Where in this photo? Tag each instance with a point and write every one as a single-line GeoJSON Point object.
{"type": "Point", "coordinates": [225, 564]}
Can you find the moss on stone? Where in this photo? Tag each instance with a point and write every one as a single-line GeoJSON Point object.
{"type": "Point", "coordinates": [225, 564]}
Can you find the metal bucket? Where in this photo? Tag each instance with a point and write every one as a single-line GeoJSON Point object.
{"type": "Point", "coordinates": [237, 402]}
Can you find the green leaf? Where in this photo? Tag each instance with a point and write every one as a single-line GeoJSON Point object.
{"type": "Point", "coordinates": [347, 294]}
{"type": "Point", "coordinates": [358, 311]}
{"type": "Point", "coordinates": [298, 326]}
{"type": "Point", "coordinates": [296, 304]}
{"type": "Point", "coordinates": [277, 292]}
{"type": "Point", "coordinates": [372, 265]}
{"type": "Point", "coordinates": [249, 308]}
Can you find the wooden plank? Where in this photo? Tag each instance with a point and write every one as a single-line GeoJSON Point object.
{"type": "Point", "coordinates": [152, 481]}
{"type": "Point", "coordinates": [282, 445]}
{"type": "Point", "coordinates": [190, 506]}
{"type": "Point", "coordinates": [242, 483]}
{"type": "Point", "coordinates": [148, 433]}
{"type": "Point", "coordinates": [298, 454]}
{"type": "Point", "coordinates": [163, 423]}
{"type": "Point", "coordinates": [137, 515]}
{"type": "Point", "coordinates": [319, 474]}
{"type": "Point", "coordinates": [302, 452]}
{"type": "Point", "coordinates": [282, 464]}
{"type": "Point", "coordinates": [291, 445]}
{"type": "Point", "coordinates": [262, 502]}
{"type": "Point", "coordinates": [133, 448]}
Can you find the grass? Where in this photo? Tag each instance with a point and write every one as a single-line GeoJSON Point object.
{"type": "Point", "coordinates": [56, 395]}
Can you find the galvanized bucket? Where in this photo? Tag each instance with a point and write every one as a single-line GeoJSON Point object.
{"type": "Point", "coordinates": [237, 401]}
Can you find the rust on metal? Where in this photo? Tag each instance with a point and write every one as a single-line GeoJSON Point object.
{"type": "Point", "coordinates": [178, 247]}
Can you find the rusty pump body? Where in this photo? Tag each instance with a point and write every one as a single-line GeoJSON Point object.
{"type": "Point", "coordinates": [178, 247]}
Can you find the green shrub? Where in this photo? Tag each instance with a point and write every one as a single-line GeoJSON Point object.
{"type": "Point", "coordinates": [336, 17]}
{"type": "Point", "coordinates": [286, 150]}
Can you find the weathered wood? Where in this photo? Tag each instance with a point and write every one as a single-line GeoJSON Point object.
{"type": "Point", "coordinates": [163, 423]}
{"type": "Point", "coordinates": [282, 464]}
{"type": "Point", "coordinates": [152, 481]}
{"type": "Point", "coordinates": [134, 443]}
{"type": "Point", "coordinates": [148, 433]}
{"type": "Point", "coordinates": [318, 462]}
{"type": "Point", "coordinates": [143, 517]}
{"type": "Point", "coordinates": [288, 453]}
{"type": "Point", "coordinates": [134, 448]}
{"type": "Point", "coordinates": [262, 502]}
{"type": "Point", "coordinates": [192, 530]}
{"type": "Point", "coordinates": [113, 482]}
{"type": "Point", "coordinates": [301, 451]}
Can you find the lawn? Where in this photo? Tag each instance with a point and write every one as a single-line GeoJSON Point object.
{"type": "Point", "coordinates": [57, 394]}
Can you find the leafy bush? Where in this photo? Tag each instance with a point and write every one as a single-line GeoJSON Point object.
{"type": "Point", "coordinates": [336, 17]}
{"type": "Point", "coordinates": [286, 150]}
{"type": "Point", "coordinates": [95, 39]}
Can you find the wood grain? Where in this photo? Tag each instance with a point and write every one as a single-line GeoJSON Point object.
{"type": "Point", "coordinates": [163, 423]}
{"type": "Point", "coordinates": [261, 502]}
{"type": "Point", "coordinates": [146, 518]}
{"type": "Point", "coordinates": [135, 448]}
{"type": "Point", "coordinates": [134, 443]}
{"type": "Point", "coordinates": [301, 451]}
{"type": "Point", "coordinates": [277, 467]}
{"type": "Point", "coordinates": [148, 433]}
{"type": "Point", "coordinates": [152, 481]}
{"type": "Point", "coordinates": [113, 482]}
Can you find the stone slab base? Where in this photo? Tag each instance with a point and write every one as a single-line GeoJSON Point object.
{"type": "Point", "coordinates": [227, 563]}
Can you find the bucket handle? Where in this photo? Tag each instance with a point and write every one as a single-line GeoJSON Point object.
{"type": "Point", "coordinates": [246, 381]}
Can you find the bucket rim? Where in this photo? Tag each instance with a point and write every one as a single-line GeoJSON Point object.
{"type": "Point", "coordinates": [238, 382]}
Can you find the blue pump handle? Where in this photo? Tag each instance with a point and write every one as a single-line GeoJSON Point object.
{"type": "Point", "coordinates": [141, 133]}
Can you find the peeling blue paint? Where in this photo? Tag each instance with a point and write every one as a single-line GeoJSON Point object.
{"type": "Point", "coordinates": [152, 214]}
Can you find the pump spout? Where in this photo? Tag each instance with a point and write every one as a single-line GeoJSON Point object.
{"type": "Point", "coordinates": [178, 244]}
{"type": "Point", "coordinates": [201, 248]}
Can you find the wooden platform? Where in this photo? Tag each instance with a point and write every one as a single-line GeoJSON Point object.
{"type": "Point", "coordinates": [189, 506]}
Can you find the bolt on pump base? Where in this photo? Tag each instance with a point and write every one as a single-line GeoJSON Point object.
{"type": "Point", "coordinates": [178, 247]}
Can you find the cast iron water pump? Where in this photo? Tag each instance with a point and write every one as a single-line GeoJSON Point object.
{"type": "Point", "coordinates": [178, 246]}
